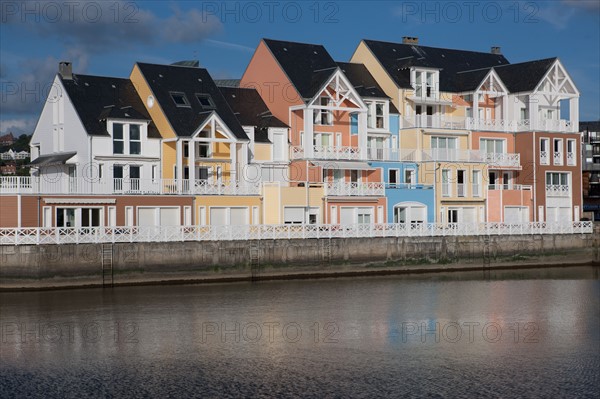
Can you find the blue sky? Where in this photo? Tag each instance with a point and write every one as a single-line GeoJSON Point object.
{"type": "Point", "coordinates": [108, 37]}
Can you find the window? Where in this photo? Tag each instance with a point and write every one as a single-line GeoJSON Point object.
{"type": "Point", "coordinates": [443, 142]}
{"type": "Point", "coordinates": [323, 116]}
{"type": "Point", "coordinates": [507, 180]}
{"type": "Point", "coordinates": [571, 153]}
{"type": "Point", "coordinates": [424, 84]}
{"type": "Point", "coordinates": [544, 151]}
{"type": "Point", "coordinates": [556, 179]}
{"type": "Point", "coordinates": [409, 176]}
{"type": "Point", "coordinates": [354, 124]}
{"type": "Point", "coordinates": [293, 215]}
{"type": "Point", "coordinates": [491, 145]}
{"type": "Point", "coordinates": [446, 183]}
{"type": "Point", "coordinates": [393, 177]}
{"type": "Point", "coordinates": [461, 183]}
{"type": "Point", "coordinates": [118, 177]}
{"type": "Point", "coordinates": [379, 115]}
{"type": "Point", "coordinates": [476, 183]}
{"type": "Point", "coordinates": [180, 99]}
{"type": "Point", "coordinates": [118, 143]}
{"type": "Point", "coordinates": [524, 114]}
{"type": "Point", "coordinates": [355, 176]}
{"type": "Point", "coordinates": [204, 150]}
{"type": "Point", "coordinates": [557, 157]}
{"type": "Point", "coordinates": [279, 146]}
{"type": "Point", "coordinates": [452, 215]}
{"type": "Point", "coordinates": [364, 216]}
{"type": "Point", "coordinates": [205, 101]}
{"type": "Point", "coordinates": [135, 143]}
{"type": "Point", "coordinates": [65, 217]}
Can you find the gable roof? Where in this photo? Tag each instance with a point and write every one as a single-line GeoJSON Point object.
{"type": "Point", "coordinates": [524, 76]}
{"type": "Point", "coordinates": [96, 98]}
{"type": "Point", "coordinates": [364, 83]}
{"type": "Point", "coordinates": [185, 120]}
{"type": "Point", "coordinates": [397, 59]}
{"type": "Point", "coordinates": [251, 110]}
{"type": "Point", "coordinates": [308, 66]}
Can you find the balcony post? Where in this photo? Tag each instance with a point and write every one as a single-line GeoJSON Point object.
{"type": "Point", "coordinates": [179, 164]}
{"type": "Point", "coordinates": [191, 165]}
{"type": "Point", "coordinates": [362, 135]}
{"type": "Point", "coordinates": [308, 133]}
{"type": "Point", "coordinates": [475, 110]}
{"type": "Point", "coordinates": [533, 112]}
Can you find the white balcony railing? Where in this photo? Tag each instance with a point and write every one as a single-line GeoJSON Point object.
{"type": "Point", "coordinates": [558, 190]}
{"type": "Point", "coordinates": [460, 189]}
{"type": "Point", "coordinates": [452, 155]}
{"type": "Point", "coordinates": [328, 152]}
{"type": "Point", "coordinates": [433, 121]}
{"type": "Point", "coordinates": [571, 160]}
{"type": "Point", "coordinates": [502, 160]}
{"type": "Point", "coordinates": [67, 185]}
{"type": "Point", "coordinates": [36, 236]}
{"type": "Point", "coordinates": [354, 189]}
{"type": "Point", "coordinates": [557, 158]}
{"type": "Point", "coordinates": [515, 187]}
{"type": "Point", "coordinates": [496, 125]}
{"type": "Point", "coordinates": [544, 158]}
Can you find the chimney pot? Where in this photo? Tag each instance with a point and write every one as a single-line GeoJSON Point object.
{"type": "Point", "coordinates": [65, 68]}
{"type": "Point", "coordinates": [410, 40]}
{"type": "Point", "coordinates": [496, 50]}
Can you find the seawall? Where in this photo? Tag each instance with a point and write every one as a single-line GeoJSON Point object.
{"type": "Point", "coordinates": [79, 265]}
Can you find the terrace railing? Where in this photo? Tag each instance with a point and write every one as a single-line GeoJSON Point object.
{"type": "Point", "coordinates": [38, 236]}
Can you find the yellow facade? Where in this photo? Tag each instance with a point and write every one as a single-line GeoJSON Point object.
{"type": "Point", "coordinates": [206, 202]}
{"type": "Point", "coordinates": [262, 152]}
{"type": "Point", "coordinates": [276, 198]}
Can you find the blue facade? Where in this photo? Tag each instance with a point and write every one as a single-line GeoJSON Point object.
{"type": "Point", "coordinates": [400, 192]}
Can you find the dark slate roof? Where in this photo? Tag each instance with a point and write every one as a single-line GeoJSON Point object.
{"type": "Point", "coordinates": [228, 82]}
{"type": "Point", "coordinates": [53, 159]}
{"type": "Point", "coordinates": [97, 98]}
{"type": "Point", "coordinates": [397, 59]}
{"type": "Point", "coordinates": [524, 76]}
{"type": "Point", "coordinates": [362, 80]}
{"type": "Point", "coordinates": [470, 80]}
{"type": "Point", "coordinates": [165, 79]}
{"type": "Point", "coordinates": [250, 110]}
{"type": "Point", "coordinates": [364, 83]}
{"type": "Point", "coordinates": [308, 66]}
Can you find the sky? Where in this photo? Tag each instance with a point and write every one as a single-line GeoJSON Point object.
{"type": "Point", "coordinates": [107, 37]}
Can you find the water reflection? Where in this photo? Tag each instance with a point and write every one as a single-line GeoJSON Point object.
{"type": "Point", "coordinates": [513, 333]}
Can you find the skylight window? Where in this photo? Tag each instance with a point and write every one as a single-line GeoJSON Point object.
{"type": "Point", "coordinates": [206, 101]}
{"type": "Point", "coordinates": [180, 99]}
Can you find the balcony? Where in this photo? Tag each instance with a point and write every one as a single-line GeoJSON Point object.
{"type": "Point", "coordinates": [81, 186]}
{"type": "Point", "coordinates": [433, 121]}
{"type": "Point", "coordinates": [508, 187]}
{"type": "Point", "coordinates": [544, 158]}
{"type": "Point", "coordinates": [571, 159]}
{"type": "Point", "coordinates": [557, 158]}
{"type": "Point", "coordinates": [328, 152]}
{"type": "Point", "coordinates": [354, 189]}
{"type": "Point", "coordinates": [502, 160]}
{"type": "Point", "coordinates": [558, 190]}
{"type": "Point", "coordinates": [555, 125]}
{"type": "Point", "coordinates": [452, 155]}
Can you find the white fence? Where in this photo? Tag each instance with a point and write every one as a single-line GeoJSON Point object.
{"type": "Point", "coordinates": [78, 185]}
{"type": "Point", "coordinates": [35, 236]}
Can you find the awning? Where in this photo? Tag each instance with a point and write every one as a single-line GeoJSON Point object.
{"type": "Point", "coordinates": [343, 165]}
{"type": "Point", "coordinates": [53, 159]}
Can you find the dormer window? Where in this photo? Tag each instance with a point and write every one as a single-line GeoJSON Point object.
{"type": "Point", "coordinates": [206, 101]}
{"type": "Point", "coordinates": [324, 116]}
{"type": "Point", "coordinates": [180, 99]}
{"type": "Point", "coordinates": [425, 83]}
{"type": "Point", "coordinates": [376, 115]}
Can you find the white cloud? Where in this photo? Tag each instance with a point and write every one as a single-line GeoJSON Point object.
{"type": "Point", "coordinates": [17, 126]}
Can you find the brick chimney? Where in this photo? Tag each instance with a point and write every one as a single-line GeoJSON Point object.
{"type": "Point", "coordinates": [496, 50]}
{"type": "Point", "coordinates": [65, 69]}
{"type": "Point", "coordinates": [410, 40]}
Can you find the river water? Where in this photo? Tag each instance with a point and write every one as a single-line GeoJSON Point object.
{"type": "Point", "coordinates": [531, 333]}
